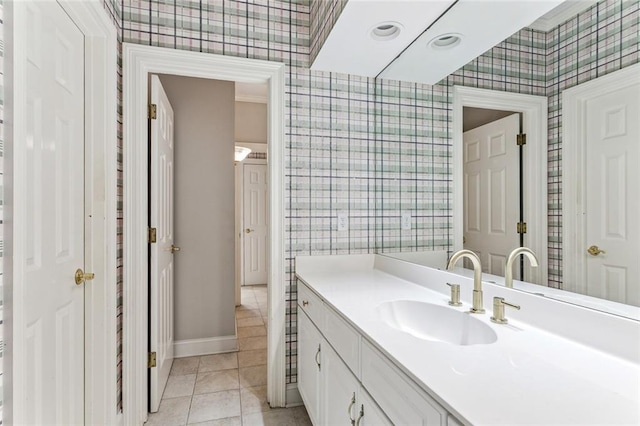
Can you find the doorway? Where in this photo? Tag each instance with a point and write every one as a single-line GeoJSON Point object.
{"type": "Point", "coordinates": [534, 125]}
{"type": "Point", "coordinates": [138, 63]}
{"type": "Point", "coordinates": [492, 187]}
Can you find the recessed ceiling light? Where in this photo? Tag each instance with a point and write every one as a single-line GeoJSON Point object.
{"type": "Point", "coordinates": [385, 31]}
{"type": "Point", "coordinates": [446, 41]}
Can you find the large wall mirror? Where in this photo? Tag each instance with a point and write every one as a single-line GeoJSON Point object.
{"type": "Point", "coordinates": [450, 174]}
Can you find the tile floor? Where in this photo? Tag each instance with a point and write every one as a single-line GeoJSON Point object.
{"type": "Point", "coordinates": [228, 389]}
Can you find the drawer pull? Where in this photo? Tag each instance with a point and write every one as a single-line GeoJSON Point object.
{"type": "Point", "coordinates": [317, 355]}
{"type": "Point", "coordinates": [353, 402]}
{"type": "Point", "coordinates": [305, 302]}
{"type": "Point", "coordinates": [361, 415]}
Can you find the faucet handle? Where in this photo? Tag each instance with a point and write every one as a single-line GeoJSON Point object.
{"type": "Point", "coordinates": [498, 310]}
{"type": "Point", "coordinates": [455, 294]}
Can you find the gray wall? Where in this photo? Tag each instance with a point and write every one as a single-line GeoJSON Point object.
{"type": "Point", "coordinates": [251, 122]}
{"type": "Point", "coordinates": [204, 206]}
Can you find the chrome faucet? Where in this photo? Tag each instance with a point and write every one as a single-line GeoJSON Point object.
{"type": "Point", "coordinates": [477, 277]}
{"type": "Point", "coordinates": [508, 270]}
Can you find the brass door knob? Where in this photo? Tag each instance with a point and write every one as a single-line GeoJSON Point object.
{"type": "Point", "coordinates": [82, 276]}
{"type": "Point", "coordinates": [595, 250]}
{"type": "Point", "coordinates": [248, 230]}
{"type": "Point", "coordinates": [174, 248]}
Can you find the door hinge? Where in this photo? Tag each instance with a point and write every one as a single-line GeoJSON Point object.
{"type": "Point", "coordinates": [151, 359]}
{"type": "Point", "coordinates": [153, 111]}
{"type": "Point", "coordinates": [152, 235]}
{"type": "Point", "coordinates": [521, 227]}
{"type": "Point", "coordinates": [521, 139]}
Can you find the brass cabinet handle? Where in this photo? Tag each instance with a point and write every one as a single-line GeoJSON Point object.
{"type": "Point", "coordinates": [353, 402]}
{"type": "Point", "coordinates": [174, 248]}
{"type": "Point", "coordinates": [248, 230]}
{"type": "Point", "coordinates": [595, 250]}
{"type": "Point", "coordinates": [361, 415]}
{"type": "Point", "coordinates": [305, 302]}
{"type": "Point", "coordinates": [81, 276]}
{"type": "Point", "coordinates": [317, 355]}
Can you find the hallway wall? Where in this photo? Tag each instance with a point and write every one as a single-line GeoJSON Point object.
{"type": "Point", "coordinates": [204, 208]}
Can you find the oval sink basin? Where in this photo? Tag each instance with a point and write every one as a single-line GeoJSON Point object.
{"type": "Point", "coordinates": [436, 323]}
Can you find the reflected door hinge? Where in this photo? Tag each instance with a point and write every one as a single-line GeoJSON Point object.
{"type": "Point", "coordinates": [153, 111]}
{"type": "Point", "coordinates": [151, 359]}
{"type": "Point", "coordinates": [521, 139]}
{"type": "Point", "coordinates": [152, 235]}
{"type": "Point", "coordinates": [521, 227]}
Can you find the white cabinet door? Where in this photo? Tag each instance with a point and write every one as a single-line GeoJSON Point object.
{"type": "Point", "coordinates": [401, 399]}
{"type": "Point", "coordinates": [369, 414]}
{"type": "Point", "coordinates": [309, 365]}
{"type": "Point", "coordinates": [339, 390]}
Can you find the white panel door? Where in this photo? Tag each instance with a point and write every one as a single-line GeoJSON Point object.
{"type": "Point", "coordinates": [491, 193]}
{"type": "Point", "coordinates": [51, 372]}
{"type": "Point", "coordinates": [254, 218]}
{"type": "Point", "coordinates": [613, 195]}
{"type": "Point", "coordinates": [162, 252]}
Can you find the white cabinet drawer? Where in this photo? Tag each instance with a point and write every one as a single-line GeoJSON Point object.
{"type": "Point", "coordinates": [311, 304]}
{"type": "Point", "coordinates": [402, 401]}
{"type": "Point", "coordinates": [344, 339]}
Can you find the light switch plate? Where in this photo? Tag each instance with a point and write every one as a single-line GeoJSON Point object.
{"type": "Point", "coordinates": [406, 221]}
{"type": "Point", "coordinates": [343, 222]}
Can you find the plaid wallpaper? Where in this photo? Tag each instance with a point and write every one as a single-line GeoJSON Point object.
{"type": "Point", "coordinates": [323, 15]}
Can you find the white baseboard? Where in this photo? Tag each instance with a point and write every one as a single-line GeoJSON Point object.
{"type": "Point", "coordinates": [208, 346]}
{"type": "Point", "coordinates": [293, 398]}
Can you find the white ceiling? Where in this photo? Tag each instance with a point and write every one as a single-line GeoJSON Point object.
{"type": "Point", "coordinates": [481, 24]}
{"type": "Point", "coordinates": [349, 48]}
{"type": "Point", "coordinates": [252, 92]}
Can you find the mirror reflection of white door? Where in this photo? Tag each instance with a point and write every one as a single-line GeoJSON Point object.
{"type": "Point", "coordinates": [254, 219]}
{"type": "Point", "coordinates": [50, 226]}
{"type": "Point", "coordinates": [612, 155]}
{"type": "Point", "coordinates": [491, 192]}
{"type": "Point", "coordinates": [162, 270]}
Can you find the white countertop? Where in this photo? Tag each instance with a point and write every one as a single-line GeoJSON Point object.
{"type": "Point", "coordinates": [528, 376]}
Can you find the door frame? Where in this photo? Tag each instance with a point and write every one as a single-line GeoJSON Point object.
{"type": "Point", "coordinates": [100, 202]}
{"type": "Point", "coordinates": [534, 111]}
{"type": "Point", "coordinates": [138, 63]}
{"type": "Point", "coordinates": [574, 265]}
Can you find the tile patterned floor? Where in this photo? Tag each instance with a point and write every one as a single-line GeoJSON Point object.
{"type": "Point", "coordinates": [228, 389]}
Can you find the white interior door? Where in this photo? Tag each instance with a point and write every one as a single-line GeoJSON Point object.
{"type": "Point", "coordinates": [612, 155]}
{"type": "Point", "coordinates": [254, 218]}
{"type": "Point", "coordinates": [491, 193]}
{"type": "Point", "coordinates": [162, 252]}
{"type": "Point", "coordinates": [49, 228]}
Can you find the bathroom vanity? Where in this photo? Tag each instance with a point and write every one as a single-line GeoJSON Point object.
{"type": "Point", "coordinates": [378, 344]}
